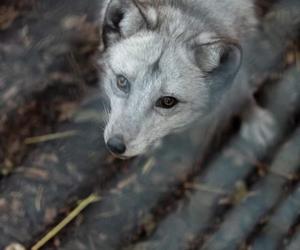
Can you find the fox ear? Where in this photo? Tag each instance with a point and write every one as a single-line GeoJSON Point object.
{"type": "Point", "coordinates": [219, 60]}
{"type": "Point", "coordinates": [218, 57]}
{"type": "Point", "coordinates": [123, 18]}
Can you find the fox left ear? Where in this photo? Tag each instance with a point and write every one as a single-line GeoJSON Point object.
{"type": "Point", "coordinates": [217, 57]}
{"type": "Point", "coordinates": [220, 61]}
{"type": "Point", "coordinates": [123, 18]}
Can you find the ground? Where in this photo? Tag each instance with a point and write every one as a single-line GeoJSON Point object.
{"type": "Point", "coordinates": [234, 185]}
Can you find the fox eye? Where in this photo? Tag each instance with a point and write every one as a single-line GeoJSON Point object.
{"type": "Point", "coordinates": [166, 102]}
{"type": "Point", "coordinates": [123, 84]}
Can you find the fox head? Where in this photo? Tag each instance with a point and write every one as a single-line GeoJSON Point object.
{"type": "Point", "coordinates": [164, 67]}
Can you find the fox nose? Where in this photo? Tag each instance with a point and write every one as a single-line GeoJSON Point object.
{"type": "Point", "coordinates": [116, 145]}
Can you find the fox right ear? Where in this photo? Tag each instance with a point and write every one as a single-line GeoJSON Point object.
{"type": "Point", "coordinates": [113, 15]}
{"type": "Point", "coordinates": [122, 18]}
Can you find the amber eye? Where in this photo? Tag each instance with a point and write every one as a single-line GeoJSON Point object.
{"type": "Point", "coordinates": [166, 102]}
{"type": "Point", "coordinates": [123, 84]}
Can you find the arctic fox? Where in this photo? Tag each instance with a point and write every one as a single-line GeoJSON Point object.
{"type": "Point", "coordinates": [167, 63]}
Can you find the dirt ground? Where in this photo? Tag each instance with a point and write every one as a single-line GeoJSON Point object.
{"type": "Point", "coordinates": [208, 188]}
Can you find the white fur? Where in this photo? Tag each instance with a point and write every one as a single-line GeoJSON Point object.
{"type": "Point", "coordinates": [172, 43]}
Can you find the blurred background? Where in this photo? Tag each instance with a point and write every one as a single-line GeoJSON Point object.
{"type": "Point", "coordinates": [221, 185]}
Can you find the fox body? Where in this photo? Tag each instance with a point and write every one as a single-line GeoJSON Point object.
{"type": "Point", "coordinates": [166, 64]}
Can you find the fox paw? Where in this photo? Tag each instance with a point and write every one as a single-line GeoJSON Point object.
{"type": "Point", "coordinates": [259, 126]}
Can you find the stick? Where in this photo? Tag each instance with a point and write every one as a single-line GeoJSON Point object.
{"type": "Point", "coordinates": [50, 137]}
{"type": "Point", "coordinates": [72, 215]}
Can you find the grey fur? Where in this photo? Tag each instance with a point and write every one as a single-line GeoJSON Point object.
{"type": "Point", "coordinates": [187, 49]}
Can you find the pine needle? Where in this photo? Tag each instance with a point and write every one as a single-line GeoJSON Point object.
{"type": "Point", "coordinates": [148, 166]}
{"type": "Point", "coordinates": [72, 215]}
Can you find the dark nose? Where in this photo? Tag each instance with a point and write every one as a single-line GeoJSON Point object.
{"type": "Point", "coordinates": [116, 145]}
